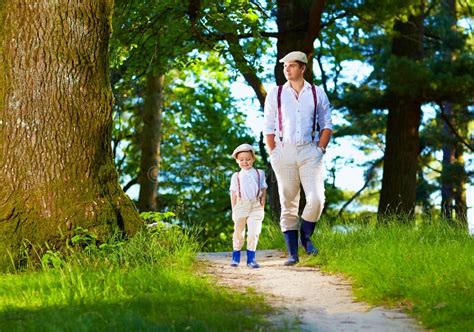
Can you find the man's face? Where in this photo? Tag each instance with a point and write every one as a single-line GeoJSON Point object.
{"type": "Point", "coordinates": [293, 71]}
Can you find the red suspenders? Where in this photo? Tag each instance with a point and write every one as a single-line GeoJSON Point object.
{"type": "Point", "coordinates": [280, 124]}
{"type": "Point", "coordinates": [258, 184]}
{"type": "Point", "coordinates": [280, 121]}
{"type": "Point", "coordinates": [315, 99]}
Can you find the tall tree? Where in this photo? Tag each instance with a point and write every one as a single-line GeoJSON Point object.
{"type": "Point", "coordinates": [429, 79]}
{"type": "Point", "coordinates": [453, 176]}
{"type": "Point", "coordinates": [201, 127]}
{"type": "Point", "coordinates": [240, 25]}
{"type": "Point", "coordinates": [398, 194]}
{"type": "Point", "coordinates": [56, 165]}
{"type": "Point", "coordinates": [150, 40]}
{"type": "Point", "coordinates": [150, 143]}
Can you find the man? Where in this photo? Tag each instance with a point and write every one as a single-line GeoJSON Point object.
{"type": "Point", "coordinates": [296, 148]}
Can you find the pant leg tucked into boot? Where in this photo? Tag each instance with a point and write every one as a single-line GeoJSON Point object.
{"type": "Point", "coordinates": [307, 229]}
{"type": "Point", "coordinates": [291, 239]}
{"type": "Point", "coordinates": [251, 259]}
{"type": "Point", "coordinates": [235, 258]}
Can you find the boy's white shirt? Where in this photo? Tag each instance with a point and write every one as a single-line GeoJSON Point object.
{"type": "Point", "coordinates": [248, 183]}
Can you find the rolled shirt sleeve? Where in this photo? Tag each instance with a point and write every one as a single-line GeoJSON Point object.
{"type": "Point", "coordinates": [324, 110]}
{"type": "Point", "coordinates": [233, 183]}
{"type": "Point", "coordinates": [270, 112]}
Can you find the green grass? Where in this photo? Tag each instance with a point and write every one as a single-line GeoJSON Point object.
{"type": "Point", "coordinates": [427, 269]}
{"type": "Point", "coordinates": [146, 284]}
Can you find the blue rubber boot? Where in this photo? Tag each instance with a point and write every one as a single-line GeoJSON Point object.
{"type": "Point", "coordinates": [307, 229]}
{"type": "Point", "coordinates": [291, 239]}
{"type": "Point", "coordinates": [235, 258]}
{"type": "Point", "coordinates": [251, 260]}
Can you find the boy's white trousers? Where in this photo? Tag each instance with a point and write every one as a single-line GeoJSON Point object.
{"type": "Point", "coordinates": [296, 165]}
{"type": "Point", "coordinates": [250, 213]}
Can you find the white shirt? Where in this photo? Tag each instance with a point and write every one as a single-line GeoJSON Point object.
{"type": "Point", "coordinates": [248, 183]}
{"type": "Point", "coordinates": [297, 114]}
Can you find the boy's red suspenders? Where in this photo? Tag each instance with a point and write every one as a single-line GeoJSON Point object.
{"type": "Point", "coordinates": [258, 185]}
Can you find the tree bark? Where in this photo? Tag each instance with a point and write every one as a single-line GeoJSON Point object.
{"type": "Point", "coordinates": [56, 165]}
{"type": "Point", "coordinates": [447, 186]}
{"type": "Point", "coordinates": [460, 200]}
{"type": "Point", "coordinates": [150, 143]}
{"type": "Point", "coordinates": [398, 194]}
{"type": "Point", "coordinates": [299, 24]}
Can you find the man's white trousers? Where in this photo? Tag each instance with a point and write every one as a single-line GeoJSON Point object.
{"type": "Point", "coordinates": [295, 166]}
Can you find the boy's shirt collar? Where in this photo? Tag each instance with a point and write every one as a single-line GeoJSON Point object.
{"type": "Point", "coordinates": [247, 170]}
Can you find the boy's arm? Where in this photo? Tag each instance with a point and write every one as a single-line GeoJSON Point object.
{"type": "Point", "coordinates": [233, 198]}
{"type": "Point", "coordinates": [262, 198]}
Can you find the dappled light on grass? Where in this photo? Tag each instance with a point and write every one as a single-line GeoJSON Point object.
{"type": "Point", "coordinates": [147, 283]}
{"type": "Point", "coordinates": [427, 269]}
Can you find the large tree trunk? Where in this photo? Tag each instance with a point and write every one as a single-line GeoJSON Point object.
{"type": "Point", "coordinates": [150, 143]}
{"type": "Point", "coordinates": [398, 194]}
{"type": "Point", "coordinates": [56, 166]}
{"type": "Point", "coordinates": [299, 24]}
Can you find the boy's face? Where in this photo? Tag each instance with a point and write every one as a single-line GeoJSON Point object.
{"type": "Point", "coordinates": [245, 160]}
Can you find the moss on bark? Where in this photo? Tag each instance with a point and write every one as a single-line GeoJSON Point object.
{"type": "Point", "coordinates": [56, 165]}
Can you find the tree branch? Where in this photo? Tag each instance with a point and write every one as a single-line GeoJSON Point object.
{"type": "Point", "coordinates": [332, 20]}
{"type": "Point", "coordinates": [451, 127]}
{"type": "Point", "coordinates": [433, 169]}
{"type": "Point", "coordinates": [247, 71]}
{"type": "Point", "coordinates": [130, 183]}
{"type": "Point", "coordinates": [323, 73]}
{"type": "Point", "coordinates": [225, 36]}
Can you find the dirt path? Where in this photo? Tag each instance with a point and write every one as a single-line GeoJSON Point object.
{"type": "Point", "coordinates": [306, 297]}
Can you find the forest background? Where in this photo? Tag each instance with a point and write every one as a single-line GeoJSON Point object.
{"type": "Point", "coordinates": [399, 75]}
{"type": "Point", "coordinates": [190, 80]}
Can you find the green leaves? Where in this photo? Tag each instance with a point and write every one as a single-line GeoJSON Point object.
{"type": "Point", "coordinates": [157, 218]}
{"type": "Point", "coordinates": [250, 16]}
{"type": "Point", "coordinates": [52, 259]}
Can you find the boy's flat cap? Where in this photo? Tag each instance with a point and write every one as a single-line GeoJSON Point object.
{"type": "Point", "coordinates": [242, 148]}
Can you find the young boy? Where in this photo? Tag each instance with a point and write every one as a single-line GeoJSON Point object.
{"type": "Point", "coordinates": [247, 195]}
